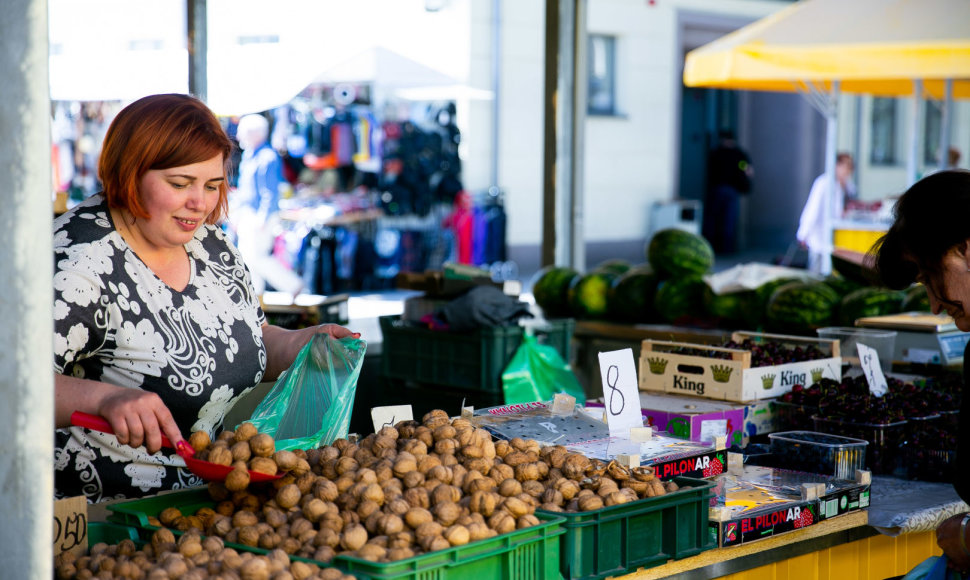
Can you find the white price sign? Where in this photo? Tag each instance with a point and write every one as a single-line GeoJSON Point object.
{"type": "Point", "coordinates": [621, 396]}
{"type": "Point", "coordinates": [390, 415]}
{"type": "Point", "coordinates": [869, 359]}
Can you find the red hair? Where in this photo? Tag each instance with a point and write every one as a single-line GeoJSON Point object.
{"type": "Point", "coordinates": [160, 132]}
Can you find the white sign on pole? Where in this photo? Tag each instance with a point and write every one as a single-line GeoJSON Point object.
{"type": "Point", "coordinates": [869, 359]}
{"type": "Point", "coordinates": [621, 397]}
{"type": "Point", "coordinates": [390, 415]}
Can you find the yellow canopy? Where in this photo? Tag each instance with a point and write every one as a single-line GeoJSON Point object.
{"type": "Point", "coordinates": [876, 47]}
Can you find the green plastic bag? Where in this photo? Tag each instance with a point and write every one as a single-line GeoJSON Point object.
{"type": "Point", "coordinates": [311, 403]}
{"type": "Point", "coordinates": [536, 373]}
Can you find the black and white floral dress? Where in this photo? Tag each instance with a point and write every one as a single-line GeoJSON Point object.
{"type": "Point", "coordinates": [115, 321]}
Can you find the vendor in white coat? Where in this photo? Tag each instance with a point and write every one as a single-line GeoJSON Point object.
{"type": "Point", "coordinates": [812, 231]}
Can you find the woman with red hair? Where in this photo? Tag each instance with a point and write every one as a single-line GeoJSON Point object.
{"type": "Point", "coordinates": [156, 323]}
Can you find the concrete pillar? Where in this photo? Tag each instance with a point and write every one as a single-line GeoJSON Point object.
{"type": "Point", "coordinates": [26, 377]}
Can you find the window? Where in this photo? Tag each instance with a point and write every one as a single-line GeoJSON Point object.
{"type": "Point", "coordinates": [602, 75]}
{"type": "Point", "coordinates": [883, 149]}
{"type": "Point", "coordinates": [932, 126]}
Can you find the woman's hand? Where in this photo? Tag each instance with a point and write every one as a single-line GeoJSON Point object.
{"type": "Point", "coordinates": [335, 331]}
{"type": "Point", "coordinates": [948, 538]}
{"type": "Point", "coordinates": [283, 345]}
{"type": "Point", "coordinates": [137, 417]}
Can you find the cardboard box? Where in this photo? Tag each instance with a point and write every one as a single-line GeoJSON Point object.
{"type": "Point", "coordinates": [732, 378]}
{"type": "Point", "coordinates": [693, 418]}
{"type": "Point", "coordinates": [701, 419]}
{"type": "Point", "coordinates": [747, 512]}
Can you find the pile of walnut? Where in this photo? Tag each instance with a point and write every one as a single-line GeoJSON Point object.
{"type": "Point", "coordinates": [246, 449]}
{"type": "Point", "coordinates": [191, 557]}
{"type": "Point", "coordinates": [409, 489]}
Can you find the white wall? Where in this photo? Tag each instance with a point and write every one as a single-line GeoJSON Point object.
{"type": "Point", "coordinates": [631, 159]}
{"type": "Point", "coordinates": [880, 181]}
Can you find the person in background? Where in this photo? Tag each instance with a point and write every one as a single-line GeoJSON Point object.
{"type": "Point", "coordinates": [812, 233]}
{"type": "Point", "coordinates": [952, 158]}
{"type": "Point", "coordinates": [729, 173]}
{"type": "Point", "coordinates": [255, 207]}
{"type": "Point", "coordinates": [157, 327]}
{"type": "Point", "coordinates": [929, 242]}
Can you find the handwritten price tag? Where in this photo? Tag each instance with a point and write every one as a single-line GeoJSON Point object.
{"type": "Point", "coordinates": [620, 394]}
{"type": "Point", "coordinates": [869, 359]}
{"type": "Point", "coordinates": [390, 415]}
{"type": "Point", "coordinates": [70, 525]}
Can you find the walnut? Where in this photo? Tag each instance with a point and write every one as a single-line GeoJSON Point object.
{"type": "Point", "coordinates": [515, 506]}
{"type": "Point", "coordinates": [502, 522]}
{"type": "Point", "coordinates": [262, 445]}
{"type": "Point", "coordinates": [288, 496]}
{"type": "Point", "coordinates": [262, 464]}
{"type": "Point", "coordinates": [238, 479]}
{"type": "Point", "coordinates": [220, 455]}
{"type": "Point", "coordinates": [168, 516]}
{"type": "Point", "coordinates": [510, 487]}
{"type": "Point", "coordinates": [446, 513]}
{"type": "Point", "coordinates": [285, 460]}
{"type": "Point", "coordinates": [525, 521]}
{"type": "Point", "coordinates": [416, 516]}
{"type": "Point", "coordinates": [244, 432]}
{"type": "Point", "coordinates": [199, 440]}
{"type": "Point", "coordinates": [575, 466]}
{"type": "Point", "coordinates": [482, 502]}
{"type": "Point", "coordinates": [590, 502]}
{"type": "Point", "coordinates": [241, 451]}
{"type": "Point", "coordinates": [354, 536]}
{"type": "Point", "coordinates": [457, 535]}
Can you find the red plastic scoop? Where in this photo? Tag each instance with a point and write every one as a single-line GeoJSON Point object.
{"type": "Point", "coordinates": [204, 469]}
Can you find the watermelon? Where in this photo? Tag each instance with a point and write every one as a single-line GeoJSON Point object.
{"type": "Point", "coordinates": [868, 301]}
{"type": "Point", "coordinates": [677, 253]}
{"type": "Point", "coordinates": [551, 290]}
{"type": "Point", "coordinates": [617, 266]}
{"type": "Point", "coordinates": [754, 315]}
{"type": "Point", "coordinates": [730, 307]}
{"type": "Point", "coordinates": [588, 295]}
{"type": "Point", "coordinates": [916, 299]}
{"type": "Point", "coordinates": [801, 308]}
{"type": "Point", "coordinates": [631, 296]}
{"type": "Point", "coordinates": [842, 286]}
{"type": "Point", "coordinates": [680, 297]}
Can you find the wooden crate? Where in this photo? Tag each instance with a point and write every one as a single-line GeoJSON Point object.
{"type": "Point", "coordinates": [733, 378]}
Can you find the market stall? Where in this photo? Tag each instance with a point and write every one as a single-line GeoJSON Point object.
{"type": "Point", "coordinates": [816, 48]}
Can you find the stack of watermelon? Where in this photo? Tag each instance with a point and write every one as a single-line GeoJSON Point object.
{"type": "Point", "coordinates": [799, 307]}
{"type": "Point", "coordinates": [668, 288]}
{"type": "Point", "coordinates": [681, 259]}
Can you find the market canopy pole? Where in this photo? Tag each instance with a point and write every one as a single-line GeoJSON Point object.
{"type": "Point", "coordinates": [564, 103]}
{"type": "Point", "coordinates": [945, 124]}
{"type": "Point", "coordinates": [26, 250]}
{"type": "Point", "coordinates": [912, 159]}
{"type": "Point", "coordinates": [197, 41]}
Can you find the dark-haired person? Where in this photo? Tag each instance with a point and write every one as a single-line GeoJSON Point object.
{"type": "Point", "coordinates": [156, 324]}
{"type": "Point", "coordinates": [929, 242]}
{"type": "Point", "coordinates": [729, 173]}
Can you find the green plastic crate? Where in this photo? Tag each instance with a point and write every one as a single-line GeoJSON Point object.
{"type": "Point", "coordinates": [136, 512]}
{"type": "Point", "coordinates": [462, 360]}
{"type": "Point", "coordinates": [530, 553]}
{"type": "Point", "coordinates": [111, 533]}
{"type": "Point", "coordinates": [619, 539]}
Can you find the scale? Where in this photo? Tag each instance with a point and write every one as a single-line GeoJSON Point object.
{"type": "Point", "coordinates": [922, 337]}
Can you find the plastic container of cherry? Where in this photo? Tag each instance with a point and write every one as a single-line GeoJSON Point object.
{"type": "Point", "coordinates": [820, 453]}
